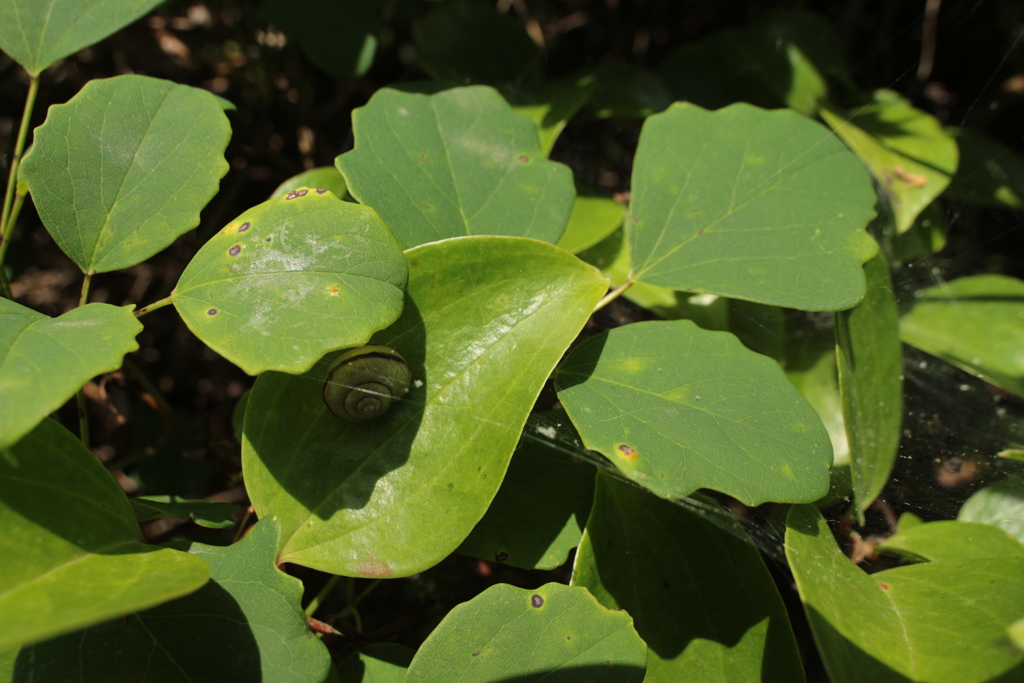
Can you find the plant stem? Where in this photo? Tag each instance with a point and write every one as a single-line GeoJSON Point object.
{"type": "Point", "coordinates": [19, 146]}
{"type": "Point", "coordinates": [5, 286]}
{"type": "Point", "coordinates": [84, 298]}
{"type": "Point", "coordinates": [83, 418]}
{"type": "Point", "coordinates": [314, 605]}
{"type": "Point", "coordinates": [354, 603]}
{"type": "Point", "coordinates": [241, 526]}
{"type": "Point", "coordinates": [613, 295]}
{"type": "Point", "coordinates": [153, 306]}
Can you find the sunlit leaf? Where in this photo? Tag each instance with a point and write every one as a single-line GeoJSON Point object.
{"type": "Point", "coordinates": [324, 177]}
{"type": "Point", "coordinates": [1000, 504]}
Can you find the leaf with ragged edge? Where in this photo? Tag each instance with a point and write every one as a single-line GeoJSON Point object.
{"type": "Point", "coordinates": [696, 587]}
{"type": "Point", "coordinates": [377, 663]}
{"type": "Point", "coordinates": [125, 167]}
{"type": "Point", "coordinates": [539, 512]}
{"type": "Point", "coordinates": [555, 632]}
{"type": "Point", "coordinates": [292, 279]}
{"type": "Point", "coordinates": [203, 512]}
{"type": "Point", "coordinates": [339, 36]}
{"type": "Point", "coordinates": [990, 173]}
{"type": "Point", "coordinates": [975, 323]}
{"type": "Point", "coordinates": [1001, 504]}
{"type": "Point", "coordinates": [592, 219]}
{"type": "Point", "coordinates": [550, 105]}
{"type": "Point", "coordinates": [485, 321]}
{"type": "Point", "coordinates": [323, 177]}
{"type": "Point", "coordinates": [36, 33]}
{"type": "Point", "coordinates": [677, 408]}
{"type": "Point", "coordinates": [44, 361]}
{"type": "Point", "coordinates": [752, 204]}
{"type": "Point", "coordinates": [907, 151]}
{"type": "Point", "coordinates": [870, 360]}
{"type": "Point", "coordinates": [465, 41]}
{"type": "Point", "coordinates": [950, 540]}
{"type": "Point", "coordinates": [899, 623]}
{"type": "Point", "coordinates": [245, 625]}
{"type": "Point", "coordinates": [72, 544]}
{"type": "Point", "coordinates": [460, 162]}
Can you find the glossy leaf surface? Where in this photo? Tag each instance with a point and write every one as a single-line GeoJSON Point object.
{"type": "Point", "coordinates": [696, 587]}
{"type": "Point", "coordinates": [291, 279]}
{"type": "Point", "coordinates": [677, 408]}
{"type": "Point", "coordinates": [485, 321]}
{"type": "Point", "coordinates": [460, 162]}
{"type": "Point", "coordinates": [555, 632]}
{"type": "Point", "coordinates": [44, 361]}
{"type": "Point", "coordinates": [79, 556]}
{"type": "Point", "coordinates": [125, 167]}
{"type": "Point", "coordinates": [1000, 504]}
{"type": "Point", "coordinates": [750, 204]}
{"type": "Point", "coordinates": [975, 323]}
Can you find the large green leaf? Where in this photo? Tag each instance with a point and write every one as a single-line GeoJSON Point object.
{"type": "Point", "coordinates": [377, 663]}
{"type": "Point", "coordinates": [539, 512]}
{"type": "Point", "coordinates": [460, 162]}
{"type": "Point", "coordinates": [592, 220]}
{"type": "Point", "coordinates": [245, 625]}
{"type": "Point", "coordinates": [990, 172]}
{"type": "Point", "coordinates": [751, 204]}
{"type": "Point", "coordinates": [485, 321]}
{"type": "Point", "coordinates": [696, 587]}
{"type": "Point", "coordinates": [949, 540]}
{"type": "Point", "coordinates": [975, 323]}
{"type": "Point", "coordinates": [36, 33]}
{"type": "Point", "coordinates": [339, 36]}
{"type": "Point", "coordinates": [71, 543]}
{"type": "Point", "coordinates": [938, 621]}
{"type": "Point", "coordinates": [678, 408]}
{"type": "Point", "coordinates": [1000, 504]}
{"type": "Point", "coordinates": [291, 279]}
{"type": "Point", "coordinates": [907, 150]}
{"type": "Point", "coordinates": [44, 361]}
{"type": "Point", "coordinates": [125, 167]}
{"type": "Point", "coordinates": [555, 633]}
{"type": "Point", "coordinates": [870, 359]}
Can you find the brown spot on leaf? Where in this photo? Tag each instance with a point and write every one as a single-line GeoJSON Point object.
{"type": "Point", "coordinates": [244, 226]}
{"type": "Point", "coordinates": [523, 158]}
{"type": "Point", "coordinates": [374, 568]}
{"type": "Point", "coordinates": [536, 601]}
{"type": "Point", "coordinates": [333, 290]}
{"type": "Point", "coordinates": [884, 586]}
{"type": "Point", "coordinates": [235, 250]}
{"type": "Point", "coordinates": [212, 311]}
{"type": "Point", "coordinates": [912, 179]}
{"type": "Point", "coordinates": [320, 190]}
{"type": "Point", "coordinates": [295, 194]}
{"type": "Point", "coordinates": [627, 452]}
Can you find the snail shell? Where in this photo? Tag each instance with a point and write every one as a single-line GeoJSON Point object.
{"type": "Point", "coordinates": [362, 382]}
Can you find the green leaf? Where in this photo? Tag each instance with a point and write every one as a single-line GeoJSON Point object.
{"type": "Point", "coordinates": [44, 361]}
{"type": "Point", "coordinates": [550, 105]}
{"type": "Point", "coordinates": [811, 367]}
{"type": "Point", "coordinates": [555, 632]}
{"type": "Point", "coordinates": [203, 512]}
{"type": "Point", "coordinates": [71, 543]}
{"type": "Point", "coordinates": [752, 204]}
{"type": "Point", "coordinates": [245, 625]}
{"type": "Point", "coordinates": [36, 33]}
{"type": "Point", "coordinates": [292, 279]}
{"type": "Point", "coordinates": [125, 167]}
{"type": "Point", "coordinates": [926, 236]}
{"type": "Point", "coordinates": [907, 150]}
{"type": "Point", "coordinates": [696, 587]}
{"type": "Point", "coordinates": [377, 663]}
{"type": "Point", "coordinates": [323, 177]}
{"type": "Point", "coordinates": [678, 408]}
{"type": "Point", "coordinates": [937, 621]}
{"type": "Point", "coordinates": [457, 163]}
{"type": "Point", "coordinates": [975, 323]}
{"type": "Point", "coordinates": [485, 321]}
{"type": "Point", "coordinates": [624, 91]}
{"type": "Point", "coordinates": [949, 540]}
{"type": "Point", "coordinates": [870, 359]}
{"type": "Point", "coordinates": [539, 512]}
{"type": "Point", "coordinates": [1000, 504]}
{"type": "Point", "coordinates": [990, 172]}
{"type": "Point", "coordinates": [468, 42]}
{"type": "Point", "coordinates": [339, 36]}
{"type": "Point", "coordinates": [592, 219]}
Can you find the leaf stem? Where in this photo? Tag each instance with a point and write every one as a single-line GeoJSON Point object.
{"type": "Point", "coordinates": [155, 305]}
{"type": "Point", "coordinates": [84, 298]}
{"type": "Point", "coordinates": [6, 216]}
{"type": "Point", "coordinates": [83, 418]}
{"type": "Point", "coordinates": [613, 295]}
{"type": "Point", "coordinates": [315, 603]}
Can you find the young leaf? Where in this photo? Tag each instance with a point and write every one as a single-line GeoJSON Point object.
{"type": "Point", "coordinates": [895, 625]}
{"type": "Point", "coordinates": [44, 361]}
{"type": "Point", "coordinates": [677, 408]}
{"type": "Point", "coordinates": [1000, 504]}
{"type": "Point", "coordinates": [246, 624]}
{"type": "Point", "coordinates": [696, 587]}
{"type": "Point", "coordinates": [870, 359]}
{"type": "Point", "coordinates": [36, 33]}
{"type": "Point", "coordinates": [457, 163]}
{"type": "Point", "coordinates": [339, 36]}
{"type": "Point", "coordinates": [324, 177]}
{"type": "Point", "coordinates": [908, 152]}
{"type": "Point", "coordinates": [291, 279]}
{"type": "Point", "coordinates": [975, 323]}
{"type": "Point", "coordinates": [125, 167]}
{"type": "Point", "coordinates": [71, 543]}
{"type": "Point", "coordinates": [203, 512]}
{"type": "Point", "coordinates": [485, 321]}
{"type": "Point", "coordinates": [758, 205]}
{"type": "Point", "coordinates": [507, 633]}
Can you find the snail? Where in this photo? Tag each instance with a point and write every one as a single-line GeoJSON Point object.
{"type": "Point", "coordinates": [362, 382]}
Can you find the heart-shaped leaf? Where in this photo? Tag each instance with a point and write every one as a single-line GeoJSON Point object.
{"type": "Point", "coordinates": [44, 361]}
{"type": "Point", "coordinates": [752, 204]}
{"type": "Point", "coordinates": [291, 279]}
{"type": "Point", "coordinates": [485, 321]}
{"type": "Point", "coordinates": [125, 167]}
